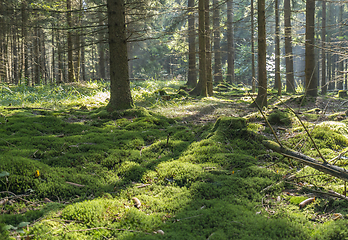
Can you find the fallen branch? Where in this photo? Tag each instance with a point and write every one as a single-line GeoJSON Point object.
{"type": "Point", "coordinates": [322, 167]}
{"type": "Point", "coordinates": [75, 184]}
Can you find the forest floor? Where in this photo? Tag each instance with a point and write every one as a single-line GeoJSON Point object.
{"type": "Point", "coordinates": [174, 167]}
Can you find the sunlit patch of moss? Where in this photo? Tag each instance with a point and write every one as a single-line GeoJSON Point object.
{"type": "Point", "coordinates": [281, 117]}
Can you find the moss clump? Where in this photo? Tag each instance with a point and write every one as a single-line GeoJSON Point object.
{"type": "Point", "coordinates": [281, 117]}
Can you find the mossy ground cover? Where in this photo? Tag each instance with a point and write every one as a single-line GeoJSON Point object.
{"type": "Point", "coordinates": [71, 170]}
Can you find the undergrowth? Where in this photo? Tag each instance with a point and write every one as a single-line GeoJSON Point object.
{"type": "Point", "coordinates": [74, 171]}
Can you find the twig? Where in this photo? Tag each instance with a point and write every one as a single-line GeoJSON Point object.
{"type": "Point", "coordinates": [107, 228]}
{"type": "Point", "coordinates": [338, 157]}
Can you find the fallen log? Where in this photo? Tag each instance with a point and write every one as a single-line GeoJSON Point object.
{"type": "Point", "coordinates": [311, 162]}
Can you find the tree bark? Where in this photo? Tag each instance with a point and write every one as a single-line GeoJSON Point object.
{"type": "Point", "coordinates": [253, 74]}
{"type": "Point", "coordinates": [230, 43]}
{"type": "Point", "coordinates": [192, 73]}
{"type": "Point", "coordinates": [25, 57]}
{"type": "Point", "coordinates": [340, 78]}
{"type": "Point", "coordinates": [101, 50]}
{"type": "Point", "coordinates": [217, 49]}
{"type": "Point", "coordinates": [120, 95]}
{"type": "Point", "coordinates": [201, 88]}
{"type": "Point", "coordinates": [323, 53]}
{"type": "Point", "coordinates": [277, 80]}
{"type": "Point", "coordinates": [311, 79]}
{"type": "Point", "coordinates": [261, 99]}
{"type": "Point", "coordinates": [289, 60]}
{"type": "Point", "coordinates": [208, 50]}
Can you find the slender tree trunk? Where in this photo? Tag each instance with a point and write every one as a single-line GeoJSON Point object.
{"type": "Point", "coordinates": [311, 80]}
{"type": "Point", "coordinates": [323, 54]}
{"type": "Point", "coordinates": [289, 60]}
{"type": "Point", "coordinates": [230, 47]}
{"type": "Point", "coordinates": [340, 77]}
{"type": "Point", "coordinates": [83, 58]}
{"type": "Point", "coordinates": [208, 50]}
{"type": "Point", "coordinates": [192, 73]}
{"type": "Point", "coordinates": [217, 50]}
{"type": "Point", "coordinates": [261, 99]}
{"type": "Point", "coordinates": [201, 88]}
{"type": "Point", "coordinates": [120, 95]}
{"type": "Point", "coordinates": [253, 73]}
{"type": "Point", "coordinates": [71, 77]}
{"type": "Point", "coordinates": [101, 50]}
{"type": "Point", "coordinates": [15, 54]}
{"type": "Point", "coordinates": [277, 80]}
{"type": "Point", "coordinates": [61, 72]}
{"type": "Point", "coordinates": [25, 56]}
{"type": "Point", "coordinates": [36, 66]}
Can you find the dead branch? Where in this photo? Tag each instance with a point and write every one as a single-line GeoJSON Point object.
{"type": "Point", "coordinates": [322, 167]}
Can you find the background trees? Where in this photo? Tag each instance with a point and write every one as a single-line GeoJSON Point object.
{"type": "Point", "coordinates": [45, 42]}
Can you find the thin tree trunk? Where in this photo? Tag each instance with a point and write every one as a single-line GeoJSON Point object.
{"type": "Point", "coordinates": [230, 47]}
{"type": "Point", "coordinates": [323, 54]}
{"type": "Point", "coordinates": [192, 73]}
{"type": "Point", "coordinates": [311, 80]}
{"type": "Point", "coordinates": [277, 80]}
{"type": "Point", "coordinates": [120, 95]}
{"type": "Point", "coordinates": [25, 56]}
{"type": "Point", "coordinates": [101, 50]}
{"type": "Point", "coordinates": [289, 60]}
{"type": "Point", "coordinates": [208, 50]}
{"type": "Point", "coordinates": [340, 77]}
{"type": "Point", "coordinates": [71, 77]}
{"type": "Point", "coordinates": [261, 99]}
{"type": "Point", "coordinates": [217, 50]}
{"type": "Point", "coordinates": [15, 54]}
{"type": "Point", "coordinates": [253, 72]}
{"type": "Point", "coordinates": [201, 88]}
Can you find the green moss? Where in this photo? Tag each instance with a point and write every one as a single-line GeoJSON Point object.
{"type": "Point", "coordinates": [281, 117]}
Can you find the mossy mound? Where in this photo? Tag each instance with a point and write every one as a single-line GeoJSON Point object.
{"type": "Point", "coordinates": [281, 117]}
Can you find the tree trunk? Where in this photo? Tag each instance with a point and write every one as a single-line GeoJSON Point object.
{"type": "Point", "coordinates": [101, 50]}
{"type": "Point", "coordinates": [201, 88]}
{"type": "Point", "coordinates": [323, 54]}
{"type": "Point", "coordinates": [340, 77]}
{"type": "Point", "coordinates": [311, 80]}
{"type": "Point", "coordinates": [289, 60]}
{"type": "Point", "coordinates": [253, 74]}
{"type": "Point", "coordinates": [277, 80]}
{"type": "Point", "coordinates": [25, 57]}
{"type": "Point", "coordinates": [192, 73]}
{"type": "Point", "coordinates": [261, 99]}
{"type": "Point", "coordinates": [120, 94]}
{"type": "Point", "coordinates": [217, 50]}
{"type": "Point", "coordinates": [208, 50]}
{"type": "Point", "coordinates": [71, 77]}
{"type": "Point", "coordinates": [230, 47]}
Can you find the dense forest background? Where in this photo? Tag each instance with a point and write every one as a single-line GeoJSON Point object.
{"type": "Point", "coordinates": [163, 119]}
{"type": "Point", "coordinates": [43, 41]}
